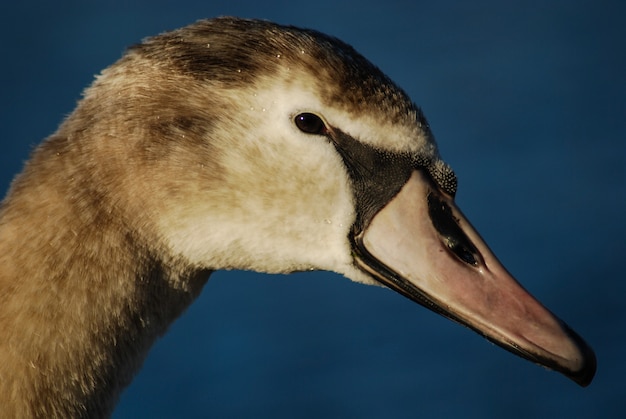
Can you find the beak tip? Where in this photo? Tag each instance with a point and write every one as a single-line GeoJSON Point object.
{"type": "Point", "coordinates": [585, 374]}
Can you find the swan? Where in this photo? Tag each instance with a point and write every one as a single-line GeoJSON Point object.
{"type": "Point", "coordinates": [233, 144]}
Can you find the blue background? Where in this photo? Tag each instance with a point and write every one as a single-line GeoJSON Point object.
{"type": "Point", "coordinates": [528, 103]}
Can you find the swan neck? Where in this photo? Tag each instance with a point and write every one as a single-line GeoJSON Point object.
{"type": "Point", "coordinates": [84, 297]}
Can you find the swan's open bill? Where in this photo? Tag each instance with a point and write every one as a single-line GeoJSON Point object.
{"type": "Point", "coordinates": [233, 144]}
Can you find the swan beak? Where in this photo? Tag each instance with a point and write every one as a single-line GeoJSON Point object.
{"type": "Point", "coordinates": [422, 246]}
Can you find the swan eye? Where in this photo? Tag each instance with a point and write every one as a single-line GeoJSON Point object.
{"type": "Point", "coordinates": [310, 123]}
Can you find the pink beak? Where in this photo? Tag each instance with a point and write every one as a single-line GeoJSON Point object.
{"type": "Point", "coordinates": [422, 246]}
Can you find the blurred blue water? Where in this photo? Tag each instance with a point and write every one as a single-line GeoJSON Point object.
{"type": "Point", "coordinates": [528, 102]}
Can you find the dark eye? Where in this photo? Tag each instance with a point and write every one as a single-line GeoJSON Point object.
{"type": "Point", "coordinates": [310, 123]}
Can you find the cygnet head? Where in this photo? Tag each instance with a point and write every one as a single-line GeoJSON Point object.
{"type": "Point", "coordinates": [259, 147]}
{"type": "Point", "coordinates": [242, 144]}
{"type": "Point", "coordinates": [248, 145]}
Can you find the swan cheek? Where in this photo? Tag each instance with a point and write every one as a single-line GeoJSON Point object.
{"type": "Point", "coordinates": [255, 219]}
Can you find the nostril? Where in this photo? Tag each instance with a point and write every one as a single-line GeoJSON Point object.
{"type": "Point", "coordinates": [451, 233]}
{"type": "Point", "coordinates": [461, 252]}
